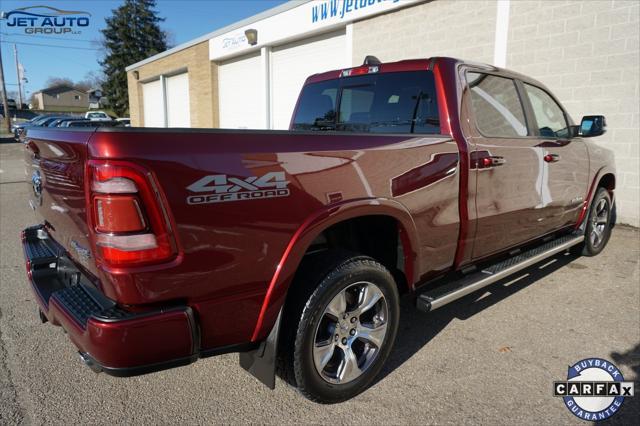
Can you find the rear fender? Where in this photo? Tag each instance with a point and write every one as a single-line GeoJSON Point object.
{"type": "Point", "coordinates": [312, 228]}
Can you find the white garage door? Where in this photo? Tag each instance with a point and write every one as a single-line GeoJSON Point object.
{"type": "Point", "coordinates": [178, 113]}
{"type": "Point", "coordinates": [241, 87]}
{"type": "Point", "coordinates": [292, 63]}
{"type": "Point", "coordinates": [153, 104]}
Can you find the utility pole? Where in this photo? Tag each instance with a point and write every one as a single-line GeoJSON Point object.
{"type": "Point", "coordinates": [7, 120]}
{"type": "Point", "coordinates": [15, 54]}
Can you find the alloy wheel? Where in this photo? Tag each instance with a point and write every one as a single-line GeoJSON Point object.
{"type": "Point", "coordinates": [599, 223]}
{"type": "Point", "coordinates": [350, 333]}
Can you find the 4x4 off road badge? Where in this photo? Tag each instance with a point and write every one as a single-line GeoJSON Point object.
{"type": "Point", "coordinates": [222, 188]}
{"type": "Point", "coordinates": [594, 389]}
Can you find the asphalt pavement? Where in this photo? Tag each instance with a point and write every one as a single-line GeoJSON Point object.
{"type": "Point", "coordinates": [489, 358]}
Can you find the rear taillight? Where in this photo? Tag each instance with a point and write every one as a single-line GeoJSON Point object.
{"type": "Point", "coordinates": [127, 219]}
{"type": "Point", "coordinates": [118, 214]}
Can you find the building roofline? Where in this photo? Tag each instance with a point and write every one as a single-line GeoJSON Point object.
{"type": "Point", "coordinates": [61, 86]}
{"type": "Point", "coordinates": [250, 20]}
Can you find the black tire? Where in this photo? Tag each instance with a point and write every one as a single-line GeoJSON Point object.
{"type": "Point", "coordinates": [319, 280]}
{"type": "Point", "coordinates": [595, 239]}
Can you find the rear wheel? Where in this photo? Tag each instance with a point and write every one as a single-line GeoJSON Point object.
{"type": "Point", "coordinates": [598, 225]}
{"type": "Point", "coordinates": [343, 330]}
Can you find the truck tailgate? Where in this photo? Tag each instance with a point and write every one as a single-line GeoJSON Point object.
{"type": "Point", "coordinates": [55, 172]}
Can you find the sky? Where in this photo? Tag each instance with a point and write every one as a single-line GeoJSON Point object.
{"type": "Point", "coordinates": [78, 54]}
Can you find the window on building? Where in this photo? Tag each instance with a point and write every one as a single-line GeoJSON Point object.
{"type": "Point", "coordinates": [550, 118]}
{"type": "Point", "coordinates": [496, 106]}
{"type": "Point", "coordinates": [76, 97]}
{"type": "Point", "coordinates": [402, 102]}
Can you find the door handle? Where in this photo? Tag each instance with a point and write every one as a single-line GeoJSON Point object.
{"type": "Point", "coordinates": [493, 161]}
{"type": "Point", "coordinates": [551, 158]}
{"type": "Point", "coordinates": [497, 161]}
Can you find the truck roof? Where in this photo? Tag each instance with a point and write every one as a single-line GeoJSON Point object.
{"type": "Point", "coordinates": [417, 65]}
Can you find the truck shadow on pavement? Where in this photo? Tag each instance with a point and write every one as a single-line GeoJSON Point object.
{"type": "Point", "coordinates": [630, 412]}
{"type": "Point", "coordinates": [417, 329]}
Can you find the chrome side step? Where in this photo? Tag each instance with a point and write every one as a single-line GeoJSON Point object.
{"type": "Point", "coordinates": [440, 296]}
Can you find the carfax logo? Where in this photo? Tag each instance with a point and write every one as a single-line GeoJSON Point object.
{"type": "Point", "coordinates": [222, 188]}
{"type": "Point", "coordinates": [594, 389]}
{"type": "Point", "coordinates": [47, 20]}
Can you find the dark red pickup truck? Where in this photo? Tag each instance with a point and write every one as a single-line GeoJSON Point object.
{"type": "Point", "coordinates": [434, 177]}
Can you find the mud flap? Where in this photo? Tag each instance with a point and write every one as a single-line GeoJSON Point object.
{"type": "Point", "coordinates": [261, 362]}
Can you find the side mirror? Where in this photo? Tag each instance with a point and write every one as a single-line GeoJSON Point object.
{"type": "Point", "coordinates": [593, 125]}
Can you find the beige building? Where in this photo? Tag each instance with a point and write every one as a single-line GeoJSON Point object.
{"type": "Point", "coordinates": [61, 98]}
{"type": "Point", "coordinates": [586, 52]}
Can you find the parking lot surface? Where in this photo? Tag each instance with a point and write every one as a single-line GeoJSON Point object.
{"type": "Point", "coordinates": [489, 358]}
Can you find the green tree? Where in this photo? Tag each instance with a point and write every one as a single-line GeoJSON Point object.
{"type": "Point", "coordinates": [132, 34]}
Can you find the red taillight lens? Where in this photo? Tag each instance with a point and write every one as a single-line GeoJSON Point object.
{"type": "Point", "coordinates": [117, 214]}
{"type": "Point", "coordinates": [128, 222]}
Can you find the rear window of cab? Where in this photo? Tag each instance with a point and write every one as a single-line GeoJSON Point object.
{"type": "Point", "coordinates": [398, 102]}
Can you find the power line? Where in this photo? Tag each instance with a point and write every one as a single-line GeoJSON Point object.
{"type": "Point", "coordinates": [47, 45]}
{"type": "Point", "coordinates": [47, 37]}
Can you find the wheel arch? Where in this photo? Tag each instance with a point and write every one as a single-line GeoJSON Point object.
{"type": "Point", "coordinates": [605, 177]}
{"type": "Point", "coordinates": [311, 229]}
{"type": "Point", "coordinates": [608, 181]}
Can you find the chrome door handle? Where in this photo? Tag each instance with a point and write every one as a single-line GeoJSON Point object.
{"type": "Point", "coordinates": [497, 161]}
{"type": "Point", "coordinates": [492, 161]}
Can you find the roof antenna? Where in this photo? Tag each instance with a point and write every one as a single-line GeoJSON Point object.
{"type": "Point", "coordinates": [371, 60]}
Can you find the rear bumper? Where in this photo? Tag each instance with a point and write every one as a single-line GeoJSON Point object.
{"type": "Point", "coordinates": [109, 338]}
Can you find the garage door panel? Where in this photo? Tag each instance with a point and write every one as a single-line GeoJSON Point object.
{"type": "Point", "coordinates": [153, 104]}
{"type": "Point", "coordinates": [240, 85]}
{"type": "Point", "coordinates": [292, 63]}
{"type": "Point", "coordinates": [178, 113]}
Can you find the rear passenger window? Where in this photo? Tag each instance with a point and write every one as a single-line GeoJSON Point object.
{"type": "Point", "coordinates": [549, 116]}
{"type": "Point", "coordinates": [496, 106]}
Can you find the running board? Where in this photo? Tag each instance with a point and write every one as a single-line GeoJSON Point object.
{"type": "Point", "coordinates": [442, 295]}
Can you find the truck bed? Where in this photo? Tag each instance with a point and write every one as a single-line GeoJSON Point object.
{"type": "Point", "coordinates": [238, 198]}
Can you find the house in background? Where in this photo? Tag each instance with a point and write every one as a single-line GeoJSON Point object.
{"type": "Point", "coordinates": [97, 98]}
{"type": "Point", "coordinates": [61, 98]}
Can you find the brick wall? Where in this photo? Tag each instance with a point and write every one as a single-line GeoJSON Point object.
{"type": "Point", "coordinates": [203, 84]}
{"type": "Point", "coordinates": [587, 54]}
{"type": "Point", "coordinates": [462, 29]}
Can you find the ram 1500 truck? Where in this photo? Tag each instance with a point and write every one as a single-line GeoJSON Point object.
{"type": "Point", "coordinates": [434, 177]}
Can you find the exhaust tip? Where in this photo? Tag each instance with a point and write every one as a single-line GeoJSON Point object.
{"type": "Point", "coordinates": [89, 362]}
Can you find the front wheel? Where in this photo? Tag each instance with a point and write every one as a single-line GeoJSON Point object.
{"type": "Point", "coordinates": [346, 328]}
{"type": "Point", "coordinates": [599, 224]}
